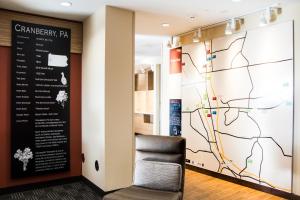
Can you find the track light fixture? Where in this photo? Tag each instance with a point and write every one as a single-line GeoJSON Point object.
{"type": "Point", "coordinates": [269, 15]}
{"type": "Point", "coordinates": [228, 30]}
{"type": "Point", "coordinates": [197, 35]}
{"type": "Point", "coordinates": [169, 44]}
{"type": "Point", "coordinates": [230, 27]}
{"type": "Point", "coordinates": [233, 25]}
{"type": "Point", "coordinates": [174, 42]}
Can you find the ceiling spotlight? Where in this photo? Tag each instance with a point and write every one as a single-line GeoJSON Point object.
{"type": "Point", "coordinates": [66, 3]}
{"type": "Point", "coordinates": [228, 30]}
{"type": "Point", "coordinates": [197, 35]}
{"type": "Point", "coordinates": [233, 24]}
{"type": "Point", "coordinates": [192, 17]}
{"type": "Point", "coordinates": [165, 25]}
{"type": "Point", "coordinates": [269, 15]}
{"type": "Point", "coordinates": [176, 41]}
{"type": "Point", "coordinates": [230, 27]}
{"type": "Point", "coordinates": [263, 21]}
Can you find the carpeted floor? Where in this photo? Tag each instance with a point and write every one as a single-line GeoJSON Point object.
{"type": "Point", "coordinates": [72, 191]}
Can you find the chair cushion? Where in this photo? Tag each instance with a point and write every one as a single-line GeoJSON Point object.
{"type": "Point", "coordinates": [139, 193]}
{"type": "Point", "coordinates": [158, 175]}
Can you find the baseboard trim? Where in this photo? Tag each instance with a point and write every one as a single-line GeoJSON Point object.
{"type": "Point", "coordinates": [94, 187]}
{"type": "Point", "coordinates": [39, 185]}
{"type": "Point", "coordinates": [244, 183]}
{"type": "Point", "coordinates": [295, 197]}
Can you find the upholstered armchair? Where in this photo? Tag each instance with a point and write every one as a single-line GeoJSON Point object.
{"type": "Point", "coordinates": [159, 170]}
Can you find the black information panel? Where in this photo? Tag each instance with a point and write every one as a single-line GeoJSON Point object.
{"type": "Point", "coordinates": [175, 117]}
{"type": "Point", "coordinates": [40, 99]}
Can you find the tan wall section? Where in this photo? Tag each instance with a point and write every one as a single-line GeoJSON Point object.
{"type": "Point", "coordinates": [290, 12]}
{"type": "Point", "coordinates": [119, 88]}
{"type": "Point", "coordinates": [7, 16]}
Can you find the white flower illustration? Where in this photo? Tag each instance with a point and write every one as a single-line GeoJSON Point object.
{"type": "Point", "coordinates": [24, 156]}
{"type": "Point", "coordinates": [62, 97]}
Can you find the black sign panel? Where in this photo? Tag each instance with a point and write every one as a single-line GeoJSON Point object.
{"type": "Point", "coordinates": [175, 117]}
{"type": "Point", "coordinates": [40, 99]}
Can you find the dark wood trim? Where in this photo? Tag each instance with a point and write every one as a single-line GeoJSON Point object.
{"type": "Point", "coordinates": [295, 197]}
{"type": "Point", "coordinates": [38, 185]}
{"type": "Point", "coordinates": [244, 183]}
{"type": "Point", "coordinates": [44, 16]}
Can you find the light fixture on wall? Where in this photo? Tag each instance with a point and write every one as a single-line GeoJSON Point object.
{"type": "Point", "coordinates": [169, 44]}
{"type": "Point", "coordinates": [230, 27]}
{"type": "Point", "coordinates": [269, 15]}
{"type": "Point", "coordinates": [176, 41]}
{"type": "Point", "coordinates": [197, 35]}
{"type": "Point", "coordinates": [228, 30]}
{"type": "Point", "coordinates": [233, 24]}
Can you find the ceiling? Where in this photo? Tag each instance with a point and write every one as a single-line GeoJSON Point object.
{"type": "Point", "coordinates": [150, 14]}
{"type": "Point", "coordinates": [148, 49]}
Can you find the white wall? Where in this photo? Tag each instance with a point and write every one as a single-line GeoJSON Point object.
{"type": "Point", "coordinates": [290, 12]}
{"type": "Point", "coordinates": [93, 91]}
{"type": "Point", "coordinates": [165, 108]}
{"type": "Point", "coordinates": [107, 97]}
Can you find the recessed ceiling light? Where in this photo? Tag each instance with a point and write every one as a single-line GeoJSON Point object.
{"type": "Point", "coordinates": [165, 24]}
{"type": "Point", "coordinates": [66, 3]}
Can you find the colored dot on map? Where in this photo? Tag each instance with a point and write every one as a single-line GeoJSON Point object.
{"type": "Point", "coordinates": [214, 56]}
{"type": "Point", "coordinates": [208, 115]}
{"type": "Point", "coordinates": [208, 51]}
{"type": "Point", "coordinates": [285, 84]}
{"type": "Point", "coordinates": [214, 98]}
{"type": "Point", "coordinates": [214, 112]}
{"type": "Point", "coordinates": [289, 103]}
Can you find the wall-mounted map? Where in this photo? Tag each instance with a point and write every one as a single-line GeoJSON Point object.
{"type": "Point", "coordinates": [237, 105]}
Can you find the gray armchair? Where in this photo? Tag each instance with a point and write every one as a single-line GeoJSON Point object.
{"type": "Point", "coordinates": [159, 170]}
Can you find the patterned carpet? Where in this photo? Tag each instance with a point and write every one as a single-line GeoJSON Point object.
{"type": "Point", "coordinates": [71, 191]}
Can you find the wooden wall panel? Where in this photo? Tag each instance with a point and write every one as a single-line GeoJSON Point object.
{"type": "Point", "coordinates": [7, 16]}
{"type": "Point", "coordinates": [207, 34]}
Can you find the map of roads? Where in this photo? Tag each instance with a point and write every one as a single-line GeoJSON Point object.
{"type": "Point", "coordinates": [237, 105]}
